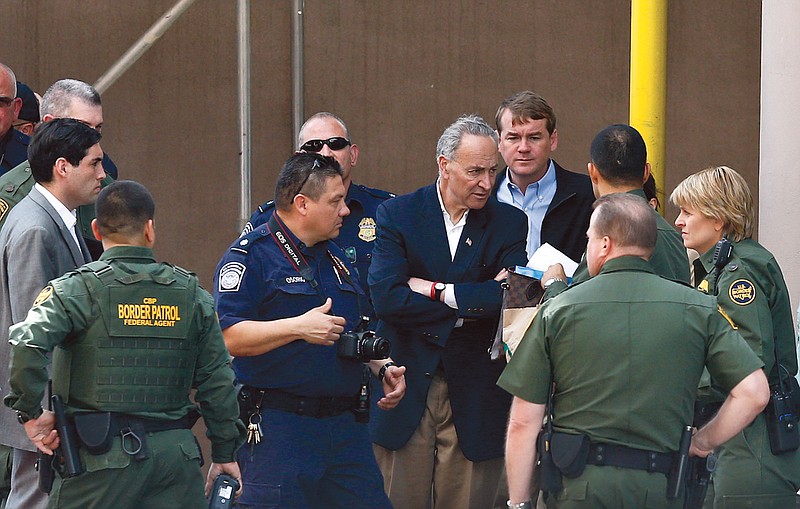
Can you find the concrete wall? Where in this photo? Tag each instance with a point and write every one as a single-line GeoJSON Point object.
{"type": "Point", "coordinates": [397, 72]}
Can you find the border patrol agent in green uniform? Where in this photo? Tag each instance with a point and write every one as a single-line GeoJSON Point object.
{"type": "Point", "coordinates": [130, 338]}
{"type": "Point", "coordinates": [751, 292]}
{"type": "Point", "coordinates": [625, 351]}
{"type": "Point", "coordinates": [619, 165]}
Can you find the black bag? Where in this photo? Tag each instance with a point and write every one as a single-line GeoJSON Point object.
{"type": "Point", "coordinates": [519, 292]}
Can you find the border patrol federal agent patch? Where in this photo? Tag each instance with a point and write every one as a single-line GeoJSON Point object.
{"type": "Point", "coordinates": [742, 292]}
{"type": "Point", "coordinates": [366, 229]}
{"type": "Point", "coordinates": [230, 276]}
{"type": "Point", "coordinates": [43, 295]}
{"type": "Point", "coordinates": [3, 208]}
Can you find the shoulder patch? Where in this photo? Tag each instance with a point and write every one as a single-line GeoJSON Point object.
{"type": "Point", "coordinates": [230, 277]}
{"type": "Point", "coordinates": [742, 292]}
{"type": "Point", "coordinates": [43, 295]}
{"type": "Point", "coordinates": [367, 229]}
{"type": "Point", "coordinates": [248, 227]}
{"type": "Point", "coordinates": [3, 208]}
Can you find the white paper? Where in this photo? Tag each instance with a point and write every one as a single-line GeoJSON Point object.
{"type": "Point", "coordinates": [546, 256]}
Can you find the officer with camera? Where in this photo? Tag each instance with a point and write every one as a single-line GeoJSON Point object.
{"type": "Point", "coordinates": [760, 467]}
{"type": "Point", "coordinates": [130, 338]}
{"type": "Point", "coordinates": [291, 311]}
{"type": "Point", "coordinates": [624, 352]}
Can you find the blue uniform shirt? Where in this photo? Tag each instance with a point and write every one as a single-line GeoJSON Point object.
{"type": "Point", "coordinates": [357, 236]}
{"type": "Point", "coordinates": [255, 281]}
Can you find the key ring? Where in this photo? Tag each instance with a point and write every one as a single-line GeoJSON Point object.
{"type": "Point", "coordinates": [129, 433]}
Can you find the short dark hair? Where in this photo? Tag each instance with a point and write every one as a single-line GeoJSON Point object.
{"type": "Point", "coordinates": [620, 154]}
{"type": "Point", "coordinates": [123, 207]}
{"type": "Point", "coordinates": [628, 219]}
{"type": "Point", "coordinates": [526, 105]}
{"type": "Point", "coordinates": [61, 137]}
{"type": "Point", "coordinates": [304, 170]}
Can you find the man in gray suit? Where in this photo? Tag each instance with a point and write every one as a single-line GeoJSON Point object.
{"type": "Point", "coordinates": [38, 242]}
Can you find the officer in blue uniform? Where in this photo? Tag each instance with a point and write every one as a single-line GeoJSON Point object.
{"type": "Point", "coordinates": [13, 144]}
{"type": "Point", "coordinates": [327, 134]}
{"type": "Point", "coordinates": [284, 294]}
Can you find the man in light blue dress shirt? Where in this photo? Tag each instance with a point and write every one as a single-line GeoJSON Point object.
{"type": "Point", "coordinates": [558, 202]}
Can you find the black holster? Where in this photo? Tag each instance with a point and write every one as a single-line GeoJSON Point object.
{"type": "Point", "coordinates": [570, 453]}
{"type": "Point", "coordinates": [549, 476]}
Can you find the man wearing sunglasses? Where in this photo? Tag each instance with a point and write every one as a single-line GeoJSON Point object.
{"type": "Point", "coordinates": [66, 98]}
{"type": "Point", "coordinates": [325, 133]}
{"type": "Point", "coordinates": [13, 144]}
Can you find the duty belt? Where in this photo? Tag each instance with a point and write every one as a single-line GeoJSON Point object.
{"type": "Point", "coordinates": [320, 407]}
{"type": "Point", "coordinates": [627, 457]}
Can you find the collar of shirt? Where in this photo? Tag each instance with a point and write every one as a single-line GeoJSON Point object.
{"type": "Point", "coordinates": [534, 202]}
{"type": "Point", "coordinates": [68, 216]}
{"type": "Point", "coordinates": [453, 229]}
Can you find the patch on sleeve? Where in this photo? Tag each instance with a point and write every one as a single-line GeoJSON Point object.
{"type": "Point", "coordinates": [3, 208]}
{"type": "Point", "coordinates": [230, 276]}
{"type": "Point", "coordinates": [742, 292]}
{"type": "Point", "coordinates": [43, 295]}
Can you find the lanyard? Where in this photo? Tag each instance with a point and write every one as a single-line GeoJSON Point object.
{"type": "Point", "coordinates": [295, 257]}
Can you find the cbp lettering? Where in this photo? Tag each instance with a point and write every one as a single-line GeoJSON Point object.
{"type": "Point", "coordinates": [148, 314]}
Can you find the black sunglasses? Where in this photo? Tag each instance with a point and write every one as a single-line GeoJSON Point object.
{"type": "Point", "coordinates": [335, 143]}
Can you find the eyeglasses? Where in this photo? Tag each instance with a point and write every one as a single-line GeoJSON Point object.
{"type": "Point", "coordinates": [335, 143]}
{"type": "Point", "coordinates": [6, 101]}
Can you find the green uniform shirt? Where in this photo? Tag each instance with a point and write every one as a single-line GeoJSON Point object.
{"type": "Point", "coordinates": [751, 291]}
{"type": "Point", "coordinates": [626, 350]}
{"type": "Point", "coordinates": [669, 256]}
{"type": "Point", "coordinates": [65, 310]}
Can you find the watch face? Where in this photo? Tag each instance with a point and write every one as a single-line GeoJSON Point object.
{"type": "Point", "coordinates": [23, 417]}
{"type": "Point", "coordinates": [440, 286]}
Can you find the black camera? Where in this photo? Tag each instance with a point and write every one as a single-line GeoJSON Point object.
{"type": "Point", "coordinates": [782, 422]}
{"type": "Point", "coordinates": [363, 344]}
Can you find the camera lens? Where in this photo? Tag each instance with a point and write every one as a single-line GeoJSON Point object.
{"type": "Point", "coordinates": [375, 348]}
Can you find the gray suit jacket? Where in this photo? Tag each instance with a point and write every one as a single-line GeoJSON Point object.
{"type": "Point", "coordinates": [35, 247]}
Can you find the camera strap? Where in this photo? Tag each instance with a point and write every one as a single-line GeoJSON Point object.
{"type": "Point", "coordinates": [281, 237]}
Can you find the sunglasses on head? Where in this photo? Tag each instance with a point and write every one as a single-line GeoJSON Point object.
{"type": "Point", "coordinates": [335, 143]}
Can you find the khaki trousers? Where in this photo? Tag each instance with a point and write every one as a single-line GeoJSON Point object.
{"type": "Point", "coordinates": [430, 471]}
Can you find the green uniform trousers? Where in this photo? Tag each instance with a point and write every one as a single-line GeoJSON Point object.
{"type": "Point", "coordinates": [613, 488]}
{"type": "Point", "coordinates": [748, 474]}
{"type": "Point", "coordinates": [169, 478]}
{"type": "Point", "coordinates": [6, 454]}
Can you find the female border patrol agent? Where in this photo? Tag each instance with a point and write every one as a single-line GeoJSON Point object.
{"type": "Point", "coordinates": [716, 219]}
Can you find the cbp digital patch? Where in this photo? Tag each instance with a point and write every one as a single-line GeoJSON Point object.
{"type": "Point", "coordinates": [742, 292]}
{"type": "Point", "coordinates": [230, 276]}
{"type": "Point", "coordinates": [43, 295]}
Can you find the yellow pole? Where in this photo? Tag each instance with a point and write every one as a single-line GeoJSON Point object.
{"type": "Point", "coordinates": [648, 88]}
